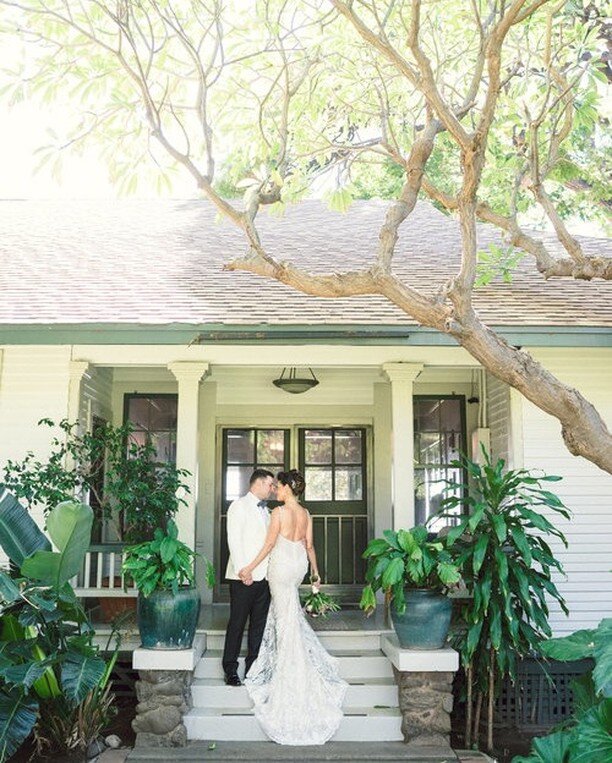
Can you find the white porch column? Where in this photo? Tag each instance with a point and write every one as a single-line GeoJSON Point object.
{"type": "Point", "coordinates": [402, 376]}
{"type": "Point", "coordinates": [76, 371]}
{"type": "Point", "coordinates": [188, 375]}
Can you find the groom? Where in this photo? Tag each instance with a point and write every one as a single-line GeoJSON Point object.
{"type": "Point", "coordinates": [247, 525]}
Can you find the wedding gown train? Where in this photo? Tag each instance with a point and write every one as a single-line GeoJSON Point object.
{"type": "Point", "coordinates": [294, 684]}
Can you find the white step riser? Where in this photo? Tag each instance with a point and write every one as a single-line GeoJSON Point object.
{"type": "Point", "coordinates": [246, 728]}
{"type": "Point", "coordinates": [236, 697]}
{"type": "Point", "coordinates": [333, 641]}
{"type": "Point", "coordinates": [350, 667]}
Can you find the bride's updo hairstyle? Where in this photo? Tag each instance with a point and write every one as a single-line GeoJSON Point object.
{"type": "Point", "coordinates": [294, 480]}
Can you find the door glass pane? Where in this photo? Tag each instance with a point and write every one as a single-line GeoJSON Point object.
{"type": "Point", "coordinates": [318, 483]}
{"type": "Point", "coordinates": [240, 446]}
{"type": "Point", "coordinates": [318, 446]}
{"type": "Point", "coordinates": [237, 481]}
{"type": "Point", "coordinates": [271, 446]}
{"type": "Point", "coordinates": [348, 446]}
{"type": "Point", "coordinates": [452, 446]}
{"type": "Point", "coordinates": [349, 484]}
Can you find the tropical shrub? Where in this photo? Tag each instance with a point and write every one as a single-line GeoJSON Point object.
{"type": "Point", "coordinates": [506, 565]}
{"type": "Point", "coordinates": [587, 736]}
{"type": "Point", "coordinates": [406, 559]}
{"type": "Point", "coordinates": [54, 682]}
{"type": "Point", "coordinates": [138, 495]}
{"type": "Point", "coordinates": [163, 564]}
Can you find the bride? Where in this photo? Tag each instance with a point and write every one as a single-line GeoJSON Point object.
{"type": "Point", "coordinates": [294, 683]}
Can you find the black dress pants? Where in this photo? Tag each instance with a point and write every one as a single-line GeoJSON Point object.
{"type": "Point", "coordinates": [246, 602]}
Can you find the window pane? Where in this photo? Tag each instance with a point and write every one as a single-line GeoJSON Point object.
{"type": "Point", "coordinates": [237, 481]}
{"type": "Point", "coordinates": [348, 446]}
{"type": "Point", "coordinates": [453, 445]}
{"type": "Point", "coordinates": [318, 483]}
{"type": "Point", "coordinates": [138, 438]}
{"type": "Point", "coordinates": [165, 446]}
{"type": "Point", "coordinates": [318, 446]}
{"type": "Point", "coordinates": [138, 412]}
{"type": "Point", "coordinates": [163, 413]}
{"type": "Point", "coordinates": [241, 446]}
{"type": "Point", "coordinates": [428, 448]}
{"type": "Point", "coordinates": [450, 415]}
{"type": "Point", "coordinates": [271, 446]}
{"type": "Point", "coordinates": [427, 415]}
{"type": "Point", "coordinates": [349, 484]}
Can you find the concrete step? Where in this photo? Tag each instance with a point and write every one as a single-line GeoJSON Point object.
{"type": "Point", "coordinates": [371, 663]}
{"type": "Point", "coordinates": [359, 724]}
{"type": "Point", "coordinates": [353, 639]}
{"type": "Point", "coordinates": [366, 692]}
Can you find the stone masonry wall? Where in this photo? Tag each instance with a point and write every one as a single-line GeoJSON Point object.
{"type": "Point", "coordinates": [426, 702]}
{"type": "Point", "coordinates": [164, 697]}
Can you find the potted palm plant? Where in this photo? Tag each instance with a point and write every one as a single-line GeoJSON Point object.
{"type": "Point", "coordinates": [415, 574]}
{"type": "Point", "coordinates": [168, 602]}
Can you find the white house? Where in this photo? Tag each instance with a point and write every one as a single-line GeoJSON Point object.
{"type": "Point", "coordinates": [115, 309]}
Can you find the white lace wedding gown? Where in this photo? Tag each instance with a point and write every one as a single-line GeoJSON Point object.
{"type": "Point", "coordinates": [294, 684]}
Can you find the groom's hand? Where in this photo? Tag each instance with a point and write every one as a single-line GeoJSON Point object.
{"type": "Point", "coordinates": [245, 576]}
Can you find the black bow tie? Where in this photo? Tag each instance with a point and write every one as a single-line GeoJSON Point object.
{"type": "Point", "coordinates": [262, 504]}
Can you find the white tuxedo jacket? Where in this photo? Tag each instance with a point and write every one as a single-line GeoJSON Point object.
{"type": "Point", "coordinates": [247, 527]}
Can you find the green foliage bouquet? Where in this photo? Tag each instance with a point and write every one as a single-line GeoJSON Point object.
{"type": "Point", "coordinates": [317, 603]}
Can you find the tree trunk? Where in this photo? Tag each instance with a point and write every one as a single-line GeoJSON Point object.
{"type": "Point", "coordinates": [469, 707]}
{"type": "Point", "coordinates": [490, 703]}
{"type": "Point", "coordinates": [476, 734]}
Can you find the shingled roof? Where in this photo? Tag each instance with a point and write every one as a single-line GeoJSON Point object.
{"type": "Point", "coordinates": [160, 262]}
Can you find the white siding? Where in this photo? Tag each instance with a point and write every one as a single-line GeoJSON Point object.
{"type": "Point", "coordinates": [498, 406]}
{"type": "Point", "coordinates": [33, 385]}
{"type": "Point", "coordinates": [585, 489]}
{"type": "Point", "coordinates": [96, 396]}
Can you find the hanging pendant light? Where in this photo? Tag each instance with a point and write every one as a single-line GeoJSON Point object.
{"type": "Point", "coordinates": [289, 381]}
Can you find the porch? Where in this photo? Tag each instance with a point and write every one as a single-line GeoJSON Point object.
{"type": "Point", "coordinates": [353, 436]}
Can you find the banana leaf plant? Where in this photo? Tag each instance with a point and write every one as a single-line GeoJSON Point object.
{"type": "Point", "coordinates": [587, 736]}
{"type": "Point", "coordinates": [48, 662]}
{"type": "Point", "coordinates": [507, 565]}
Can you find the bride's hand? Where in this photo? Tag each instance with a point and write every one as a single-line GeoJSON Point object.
{"type": "Point", "coordinates": [315, 582]}
{"type": "Point", "coordinates": [245, 575]}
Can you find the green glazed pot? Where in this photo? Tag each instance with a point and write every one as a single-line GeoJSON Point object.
{"type": "Point", "coordinates": [426, 621]}
{"type": "Point", "coordinates": [166, 621]}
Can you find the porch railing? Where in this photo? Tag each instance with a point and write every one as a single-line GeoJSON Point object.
{"type": "Point", "coordinates": [101, 574]}
{"type": "Point", "coordinates": [340, 540]}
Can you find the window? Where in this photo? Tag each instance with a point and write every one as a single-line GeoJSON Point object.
{"type": "Point", "coordinates": [153, 418]}
{"type": "Point", "coordinates": [439, 438]}
{"type": "Point", "coordinates": [334, 464]}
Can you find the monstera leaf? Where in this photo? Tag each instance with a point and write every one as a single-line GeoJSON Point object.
{"type": "Point", "coordinates": [69, 526]}
{"type": "Point", "coordinates": [17, 719]}
{"type": "Point", "coordinates": [20, 536]}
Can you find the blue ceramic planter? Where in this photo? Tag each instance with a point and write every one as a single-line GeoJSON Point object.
{"type": "Point", "coordinates": [166, 621]}
{"type": "Point", "coordinates": [426, 621]}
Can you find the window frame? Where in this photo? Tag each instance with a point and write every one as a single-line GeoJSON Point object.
{"type": "Point", "coordinates": [127, 396]}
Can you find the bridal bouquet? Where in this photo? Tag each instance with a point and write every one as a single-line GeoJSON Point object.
{"type": "Point", "coordinates": [319, 604]}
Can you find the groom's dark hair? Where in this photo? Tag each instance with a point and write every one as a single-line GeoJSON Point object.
{"type": "Point", "coordinates": [260, 474]}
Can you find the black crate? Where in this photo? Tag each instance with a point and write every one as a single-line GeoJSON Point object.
{"type": "Point", "coordinates": [542, 695]}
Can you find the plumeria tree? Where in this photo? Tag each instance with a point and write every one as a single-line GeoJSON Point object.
{"type": "Point", "coordinates": [490, 108]}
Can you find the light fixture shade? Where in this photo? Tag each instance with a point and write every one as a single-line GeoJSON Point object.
{"type": "Point", "coordinates": [289, 381]}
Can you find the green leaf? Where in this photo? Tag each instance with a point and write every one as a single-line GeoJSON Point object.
{"type": "Point", "coordinates": [553, 748]}
{"type": "Point", "coordinates": [80, 674]}
{"type": "Point", "coordinates": [24, 674]}
{"type": "Point", "coordinates": [592, 740]}
{"type": "Point", "coordinates": [69, 525]}
{"type": "Point", "coordinates": [9, 591]}
{"type": "Point", "coordinates": [520, 541]}
{"type": "Point", "coordinates": [576, 646]}
{"type": "Point", "coordinates": [479, 553]}
{"type": "Point", "coordinates": [20, 536]}
{"type": "Point", "coordinates": [18, 715]}
{"type": "Point", "coordinates": [394, 573]}
{"type": "Point", "coordinates": [499, 526]}
{"type": "Point", "coordinates": [602, 652]}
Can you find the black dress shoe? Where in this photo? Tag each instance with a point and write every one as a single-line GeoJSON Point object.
{"type": "Point", "coordinates": [233, 680]}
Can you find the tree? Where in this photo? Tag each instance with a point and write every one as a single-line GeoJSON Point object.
{"type": "Point", "coordinates": [487, 107]}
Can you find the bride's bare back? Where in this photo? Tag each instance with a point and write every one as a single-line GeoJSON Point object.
{"type": "Point", "coordinates": [294, 522]}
